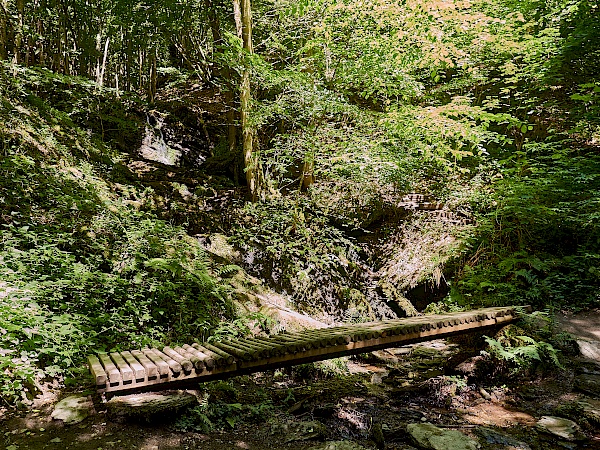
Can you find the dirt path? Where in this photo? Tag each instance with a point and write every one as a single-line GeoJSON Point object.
{"type": "Point", "coordinates": [585, 328]}
{"type": "Point", "coordinates": [584, 325]}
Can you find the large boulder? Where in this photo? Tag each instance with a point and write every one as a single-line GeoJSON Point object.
{"type": "Point", "coordinates": [501, 440]}
{"type": "Point", "coordinates": [589, 349]}
{"type": "Point", "coordinates": [591, 411]}
{"type": "Point", "coordinates": [429, 437]}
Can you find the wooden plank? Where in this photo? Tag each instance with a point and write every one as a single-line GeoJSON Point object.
{"type": "Point", "coordinates": [248, 346]}
{"type": "Point", "coordinates": [114, 375]}
{"type": "Point", "coordinates": [198, 364]}
{"type": "Point", "coordinates": [164, 370]}
{"type": "Point", "coordinates": [206, 347]}
{"type": "Point", "coordinates": [280, 345]}
{"type": "Point", "coordinates": [139, 373]}
{"type": "Point", "coordinates": [415, 335]}
{"type": "Point", "coordinates": [263, 349]}
{"type": "Point", "coordinates": [126, 371]}
{"type": "Point", "coordinates": [245, 346]}
{"type": "Point", "coordinates": [238, 353]}
{"type": "Point", "coordinates": [174, 366]}
{"type": "Point", "coordinates": [275, 347]}
{"type": "Point", "coordinates": [149, 366]}
{"type": "Point", "coordinates": [97, 370]}
{"type": "Point", "coordinates": [185, 363]}
{"type": "Point", "coordinates": [206, 358]}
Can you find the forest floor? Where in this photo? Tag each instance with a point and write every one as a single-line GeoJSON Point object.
{"type": "Point", "coordinates": [368, 408]}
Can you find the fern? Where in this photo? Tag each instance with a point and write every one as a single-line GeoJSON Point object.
{"type": "Point", "coordinates": [523, 352]}
{"type": "Point", "coordinates": [228, 270]}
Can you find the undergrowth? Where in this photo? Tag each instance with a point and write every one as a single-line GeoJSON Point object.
{"type": "Point", "coordinates": [81, 269]}
{"type": "Point", "coordinates": [532, 344]}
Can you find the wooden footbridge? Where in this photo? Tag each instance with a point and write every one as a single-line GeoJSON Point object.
{"type": "Point", "coordinates": [174, 367]}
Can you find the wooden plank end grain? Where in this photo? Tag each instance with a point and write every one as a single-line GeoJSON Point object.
{"type": "Point", "coordinates": [147, 364]}
{"type": "Point", "coordinates": [114, 375]}
{"type": "Point", "coordinates": [126, 371]}
{"type": "Point", "coordinates": [100, 376]}
{"type": "Point", "coordinates": [139, 373]}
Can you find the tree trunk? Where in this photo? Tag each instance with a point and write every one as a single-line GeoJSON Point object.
{"type": "Point", "coordinates": [153, 77]}
{"type": "Point", "coordinates": [42, 47]}
{"type": "Point", "coordinates": [308, 172]}
{"type": "Point", "coordinates": [226, 74]}
{"type": "Point", "coordinates": [254, 178]}
{"type": "Point", "coordinates": [19, 32]}
{"type": "Point", "coordinates": [98, 49]}
{"type": "Point", "coordinates": [3, 30]}
{"type": "Point", "coordinates": [141, 62]}
{"type": "Point", "coordinates": [128, 59]}
{"type": "Point", "coordinates": [237, 16]}
{"type": "Point", "coordinates": [103, 67]}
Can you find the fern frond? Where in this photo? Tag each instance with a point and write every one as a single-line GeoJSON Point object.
{"type": "Point", "coordinates": [527, 340]}
{"type": "Point", "coordinates": [527, 352]}
{"type": "Point", "coordinates": [227, 270]}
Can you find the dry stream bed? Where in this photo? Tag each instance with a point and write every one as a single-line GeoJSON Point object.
{"type": "Point", "coordinates": [422, 396]}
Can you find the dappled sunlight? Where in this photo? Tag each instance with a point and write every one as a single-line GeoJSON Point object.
{"type": "Point", "coordinates": [492, 414]}
{"type": "Point", "coordinates": [194, 191]}
{"type": "Point", "coordinates": [583, 325]}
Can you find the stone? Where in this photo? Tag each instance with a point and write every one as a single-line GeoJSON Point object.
{"type": "Point", "coordinates": [560, 427]}
{"type": "Point", "coordinates": [73, 409]}
{"type": "Point", "coordinates": [149, 405]}
{"type": "Point", "coordinates": [299, 431]}
{"type": "Point", "coordinates": [591, 410]}
{"type": "Point", "coordinates": [338, 445]}
{"type": "Point", "coordinates": [377, 377]}
{"type": "Point", "coordinates": [588, 383]}
{"type": "Point", "coordinates": [495, 438]}
{"type": "Point", "coordinates": [429, 437]}
{"type": "Point", "coordinates": [589, 349]}
{"type": "Point", "coordinates": [588, 367]}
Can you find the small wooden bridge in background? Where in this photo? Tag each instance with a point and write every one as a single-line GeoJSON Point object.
{"type": "Point", "coordinates": [174, 367]}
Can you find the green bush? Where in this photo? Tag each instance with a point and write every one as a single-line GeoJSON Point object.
{"type": "Point", "coordinates": [82, 269]}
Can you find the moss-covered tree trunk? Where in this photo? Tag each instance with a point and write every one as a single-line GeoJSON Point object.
{"type": "Point", "coordinates": [153, 78]}
{"type": "Point", "coordinates": [20, 30]}
{"type": "Point", "coordinates": [225, 73]}
{"type": "Point", "coordinates": [3, 30]}
{"type": "Point", "coordinates": [254, 178]}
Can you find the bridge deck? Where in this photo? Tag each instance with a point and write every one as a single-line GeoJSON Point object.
{"type": "Point", "coordinates": [173, 367]}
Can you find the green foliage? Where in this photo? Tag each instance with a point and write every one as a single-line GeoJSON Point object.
{"type": "Point", "coordinates": [240, 327]}
{"type": "Point", "coordinates": [538, 244]}
{"type": "Point", "coordinates": [82, 269]}
{"type": "Point", "coordinates": [217, 413]}
{"type": "Point", "coordinates": [312, 259]}
{"type": "Point", "coordinates": [492, 108]}
{"type": "Point", "coordinates": [516, 352]}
